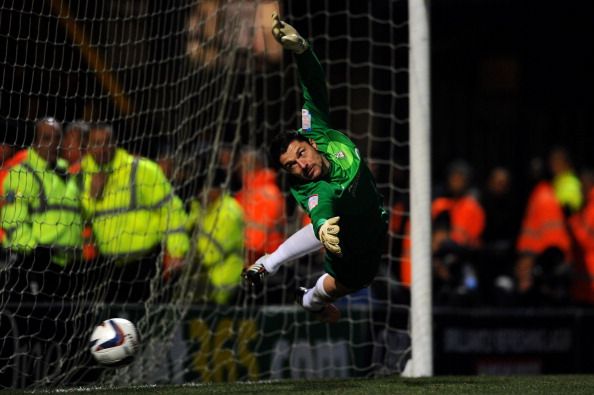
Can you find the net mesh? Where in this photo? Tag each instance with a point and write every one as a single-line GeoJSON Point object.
{"type": "Point", "coordinates": [199, 88]}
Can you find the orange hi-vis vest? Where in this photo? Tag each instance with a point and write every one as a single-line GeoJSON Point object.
{"type": "Point", "coordinates": [14, 160]}
{"type": "Point", "coordinates": [582, 227]}
{"type": "Point", "coordinates": [264, 208]}
{"type": "Point", "coordinates": [467, 219]}
{"type": "Point", "coordinates": [543, 225]}
{"type": "Point", "coordinates": [467, 222]}
{"type": "Point", "coordinates": [400, 227]}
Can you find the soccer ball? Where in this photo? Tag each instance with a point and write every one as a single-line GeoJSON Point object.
{"type": "Point", "coordinates": [114, 342]}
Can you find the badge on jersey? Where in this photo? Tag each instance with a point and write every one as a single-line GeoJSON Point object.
{"type": "Point", "coordinates": [312, 202]}
{"type": "Point", "coordinates": [305, 120]}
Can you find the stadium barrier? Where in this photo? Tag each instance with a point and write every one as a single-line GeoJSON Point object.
{"type": "Point", "coordinates": [513, 341]}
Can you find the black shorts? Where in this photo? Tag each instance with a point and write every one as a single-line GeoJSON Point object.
{"type": "Point", "coordinates": [357, 268]}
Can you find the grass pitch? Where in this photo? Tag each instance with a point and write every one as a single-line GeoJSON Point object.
{"type": "Point", "coordinates": [570, 384]}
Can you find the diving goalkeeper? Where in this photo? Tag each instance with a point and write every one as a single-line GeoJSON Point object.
{"type": "Point", "coordinates": [334, 186]}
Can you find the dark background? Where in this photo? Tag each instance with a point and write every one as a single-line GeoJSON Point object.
{"type": "Point", "coordinates": [510, 80]}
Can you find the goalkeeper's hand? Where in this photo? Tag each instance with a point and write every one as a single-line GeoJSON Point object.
{"type": "Point", "coordinates": [329, 235]}
{"type": "Point", "coordinates": [254, 275]}
{"type": "Point", "coordinates": [288, 36]}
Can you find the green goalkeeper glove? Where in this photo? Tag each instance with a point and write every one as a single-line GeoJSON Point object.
{"type": "Point", "coordinates": [288, 36]}
{"type": "Point", "coordinates": [328, 235]}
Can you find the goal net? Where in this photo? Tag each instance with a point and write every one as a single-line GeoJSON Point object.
{"type": "Point", "coordinates": [199, 88]}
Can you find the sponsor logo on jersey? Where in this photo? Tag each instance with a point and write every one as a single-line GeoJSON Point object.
{"type": "Point", "coordinates": [305, 120]}
{"type": "Point", "coordinates": [312, 202]}
{"type": "Point", "coordinates": [339, 155]}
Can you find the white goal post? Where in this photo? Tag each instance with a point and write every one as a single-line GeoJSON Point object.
{"type": "Point", "coordinates": [420, 192]}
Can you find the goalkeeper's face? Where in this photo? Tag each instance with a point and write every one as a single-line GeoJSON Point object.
{"type": "Point", "coordinates": [304, 161]}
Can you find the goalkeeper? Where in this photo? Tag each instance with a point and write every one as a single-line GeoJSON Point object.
{"type": "Point", "coordinates": [334, 186]}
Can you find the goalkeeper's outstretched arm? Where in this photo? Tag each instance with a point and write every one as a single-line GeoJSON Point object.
{"type": "Point", "coordinates": [301, 243]}
{"type": "Point", "coordinates": [311, 73]}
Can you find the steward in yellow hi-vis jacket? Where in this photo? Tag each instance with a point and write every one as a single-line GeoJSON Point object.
{"type": "Point", "coordinates": [133, 212]}
{"type": "Point", "coordinates": [220, 240]}
{"type": "Point", "coordinates": [41, 208]}
{"type": "Point", "coordinates": [41, 218]}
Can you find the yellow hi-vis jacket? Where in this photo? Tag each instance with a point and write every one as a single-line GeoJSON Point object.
{"type": "Point", "coordinates": [137, 209]}
{"type": "Point", "coordinates": [41, 207]}
{"type": "Point", "coordinates": [220, 232]}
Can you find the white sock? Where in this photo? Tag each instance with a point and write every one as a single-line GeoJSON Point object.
{"type": "Point", "coordinates": [315, 298]}
{"type": "Point", "coordinates": [301, 243]}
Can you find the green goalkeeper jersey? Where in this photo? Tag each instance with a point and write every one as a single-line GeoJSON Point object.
{"type": "Point", "coordinates": [348, 191]}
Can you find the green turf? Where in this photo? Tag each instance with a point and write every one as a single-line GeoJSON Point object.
{"type": "Point", "coordinates": [574, 384]}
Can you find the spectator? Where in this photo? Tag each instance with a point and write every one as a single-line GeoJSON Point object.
{"type": "Point", "coordinates": [179, 166]}
{"type": "Point", "coordinates": [543, 245]}
{"type": "Point", "coordinates": [501, 210]}
{"type": "Point", "coordinates": [263, 204]}
{"type": "Point", "coordinates": [9, 158]}
{"type": "Point", "coordinates": [74, 144]}
{"type": "Point", "coordinates": [503, 215]}
{"type": "Point", "coordinates": [133, 211]}
{"type": "Point", "coordinates": [582, 232]}
{"type": "Point", "coordinates": [219, 227]}
{"type": "Point", "coordinates": [41, 215]}
{"type": "Point", "coordinates": [72, 149]}
{"type": "Point", "coordinates": [565, 182]}
{"type": "Point", "coordinates": [458, 224]}
{"type": "Point", "coordinates": [400, 228]}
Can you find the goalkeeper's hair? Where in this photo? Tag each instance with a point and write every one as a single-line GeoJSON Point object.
{"type": "Point", "coordinates": [280, 143]}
